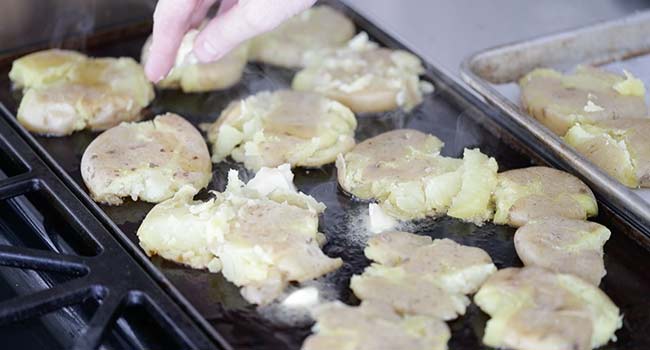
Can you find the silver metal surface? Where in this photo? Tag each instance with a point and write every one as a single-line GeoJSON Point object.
{"type": "Point", "coordinates": [444, 32]}
{"type": "Point", "coordinates": [494, 72]}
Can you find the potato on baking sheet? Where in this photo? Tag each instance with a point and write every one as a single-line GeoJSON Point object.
{"type": "Point", "coordinates": [147, 161]}
{"type": "Point", "coordinates": [268, 129]}
{"type": "Point", "coordinates": [65, 91]}
{"type": "Point", "coordinates": [319, 27]}
{"type": "Point", "coordinates": [533, 308]}
{"type": "Point", "coordinates": [364, 77]}
{"type": "Point", "coordinates": [525, 194]}
{"type": "Point", "coordinates": [44, 67]}
{"type": "Point", "coordinates": [564, 245]}
{"type": "Point", "coordinates": [374, 326]}
{"type": "Point", "coordinates": [432, 278]}
{"type": "Point", "coordinates": [404, 171]}
{"type": "Point", "coordinates": [189, 75]}
{"type": "Point", "coordinates": [372, 167]}
{"type": "Point", "coordinates": [620, 147]}
{"type": "Point", "coordinates": [261, 235]}
{"type": "Point", "coordinates": [586, 96]}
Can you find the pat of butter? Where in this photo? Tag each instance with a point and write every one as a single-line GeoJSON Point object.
{"type": "Point", "coordinates": [185, 55]}
{"type": "Point", "coordinates": [303, 297]}
{"type": "Point", "coordinates": [631, 86]}
{"type": "Point", "coordinates": [268, 180]}
{"type": "Point", "coordinates": [379, 220]}
{"type": "Point", "coordinates": [592, 107]}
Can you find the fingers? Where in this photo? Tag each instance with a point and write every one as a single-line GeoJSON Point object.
{"type": "Point", "coordinates": [201, 10]}
{"type": "Point", "coordinates": [245, 19]}
{"type": "Point", "coordinates": [171, 22]}
{"type": "Point", "coordinates": [225, 6]}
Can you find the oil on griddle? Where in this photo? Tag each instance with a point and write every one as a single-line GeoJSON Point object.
{"type": "Point", "coordinates": [241, 324]}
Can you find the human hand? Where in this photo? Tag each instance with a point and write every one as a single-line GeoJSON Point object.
{"type": "Point", "coordinates": [236, 22]}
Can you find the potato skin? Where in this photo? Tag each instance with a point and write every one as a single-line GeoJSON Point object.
{"type": "Point", "coordinates": [560, 101]}
{"type": "Point", "coordinates": [319, 27]}
{"type": "Point", "coordinates": [271, 128]}
{"type": "Point", "coordinates": [65, 91]}
{"type": "Point", "coordinates": [534, 308]}
{"type": "Point", "coordinates": [374, 326]}
{"type": "Point", "coordinates": [364, 77]}
{"type": "Point", "coordinates": [43, 67]}
{"type": "Point", "coordinates": [535, 192]}
{"type": "Point", "coordinates": [620, 147]}
{"type": "Point", "coordinates": [564, 245]}
{"type": "Point", "coordinates": [411, 270]}
{"type": "Point", "coordinates": [149, 161]}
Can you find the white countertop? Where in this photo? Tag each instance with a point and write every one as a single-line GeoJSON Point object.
{"type": "Point", "coordinates": [445, 31]}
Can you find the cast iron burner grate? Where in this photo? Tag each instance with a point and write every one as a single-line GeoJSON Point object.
{"type": "Point", "coordinates": [64, 281]}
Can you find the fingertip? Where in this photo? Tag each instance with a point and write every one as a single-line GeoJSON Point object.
{"type": "Point", "coordinates": [153, 72]}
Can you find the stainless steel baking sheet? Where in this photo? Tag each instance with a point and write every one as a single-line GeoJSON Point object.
{"type": "Point", "coordinates": [614, 45]}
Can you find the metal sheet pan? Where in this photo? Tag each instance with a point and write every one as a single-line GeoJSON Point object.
{"type": "Point", "coordinates": [494, 73]}
{"type": "Point", "coordinates": [451, 113]}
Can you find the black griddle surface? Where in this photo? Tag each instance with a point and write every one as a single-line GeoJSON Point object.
{"type": "Point", "coordinates": [454, 120]}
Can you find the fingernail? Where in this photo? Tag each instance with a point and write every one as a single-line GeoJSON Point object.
{"type": "Point", "coordinates": [209, 48]}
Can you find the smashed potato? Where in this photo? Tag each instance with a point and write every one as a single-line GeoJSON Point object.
{"type": "Point", "coordinates": [65, 91]}
{"type": "Point", "coordinates": [620, 147]}
{"type": "Point", "coordinates": [191, 76]}
{"type": "Point", "coordinates": [364, 77]}
{"type": "Point", "coordinates": [374, 326]}
{"type": "Point", "coordinates": [404, 171]}
{"type": "Point", "coordinates": [319, 27]}
{"type": "Point", "coordinates": [44, 67]}
{"type": "Point", "coordinates": [273, 128]}
{"type": "Point", "coordinates": [533, 308]}
{"type": "Point", "coordinates": [375, 165]}
{"type": "Point", "coordinates": [146, 161]}
{"type": "Point", "coordinates": [418, 276]}
{"type": "Point", "coordinates": [239, 233]}
{"type": "Point", "coordinates": [564, 245]}
{"type": "Point", "coordinates": [535, 192]}
{"type": "Point", "coordinates": [586, 96]}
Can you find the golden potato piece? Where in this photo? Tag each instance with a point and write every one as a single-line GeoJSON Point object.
{"type": "Point", "coordinates": [393, 167]}
{"type": "Point", "coordinates": [364, 77]}
{"type": "Point", "coordinates": [564, 245]}
{"type": "Point", "coordinates": [43, 67]}
{"type": "Point", "coordinates": [178, 234]}
{"type": "Point", "coordinates": [533, 308]}
{"type": "Point", "coordinates": [407, 293]}
{"type": "Point", "coordinates": [238, 233]}
{"type": "Point", "coordinates": [374, 326]}
{"type": "Point", "coordinates": [149, 161]}
{"type": "Point", "coordinates": [60, 109]}
{"type": "Point", "coordinates": [374, 165]}
{"type": "Point", "coordinates": [404, 171]}
{"type": "Point", "coordinates": [66, 91]}
{"type": "Point", "coordinates": [273, 128]}
{"type": "Point", "coordinates": [536, 192]}
{"type": "Point", "coordinates": [620, 147]}
{"type": "Point", "coordinates": [319, 27]}
{"type": "Point", "coordinates": [478, 176]}
{"type": "Point", "coordinates": [587, 96]}
{"type": "Point", "coordinates": [418, 276]}
{"type": "Point", "coordinates": [394, 248]}
{"type": "Point", "coordinates": [191, 76]}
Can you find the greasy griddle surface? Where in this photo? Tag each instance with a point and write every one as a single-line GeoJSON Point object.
{"type": "Point", "coordinates": [627, 281]}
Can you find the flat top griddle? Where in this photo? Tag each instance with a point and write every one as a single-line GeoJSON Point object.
{"type": "Point", "coordinates": [450, 113]}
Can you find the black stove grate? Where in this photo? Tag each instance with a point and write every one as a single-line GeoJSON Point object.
{"type": "Point", "coordinates": [65, 281]}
